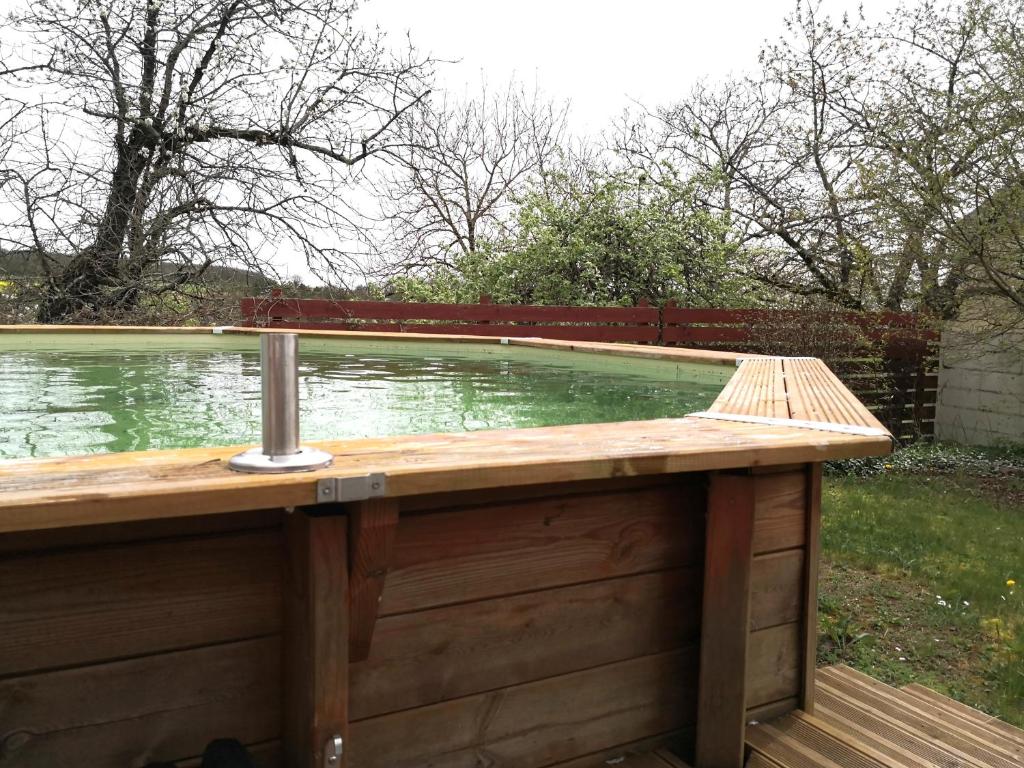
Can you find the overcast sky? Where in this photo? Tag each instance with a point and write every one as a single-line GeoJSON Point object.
{"type": "Point", "coordinates": [599, 55]}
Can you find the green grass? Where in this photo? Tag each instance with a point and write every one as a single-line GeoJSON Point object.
{"type": "Point", "coordinates": [915, 581]}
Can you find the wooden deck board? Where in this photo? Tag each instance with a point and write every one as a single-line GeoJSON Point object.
{"type": "Point", "coordinates": [862, 723]}
{"type": "Point", "coordinates": [957, 709]}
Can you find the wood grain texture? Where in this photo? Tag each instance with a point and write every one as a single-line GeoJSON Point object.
{"type": "Point", "coordinates": [444, 653]}
{"type": "Point", "coordinates": [83, 536]}
{"type": "Point", "coordinates": [64, 608]}
{"type": "Point", "coordinates": [89, 490]}
{"type": "Point", "coordinates": [725, 624]}
{"type": "Point", "coordinates": [793, 741]}
{"type": "Point", "coordinates": [774, 665]}
{"type": "Point", "coordinates": [779, 512]}
{"type": "Point", "coordinates": [960, 710]}
{"type": "Point", "coordinates": [537, 724]}
{"type": "Point", "coordinates": [809, 616]}
{"type": "Point", "coordinates": [163, 707]}
{"type": "Point", "coordinates": [776, 589]}
{"type": "Point", "coordinates": [921, 718]}
{"type": "Point", "coordinates": [373, 525]}
{"type": "Point", "coordinates": [473, 553]}
{"type": "Point", "coordinates": [621, 755]}
{"type": "Point", "coordinates": [316, 637]}
{"type": "Point", "coordinates": [862, 723]}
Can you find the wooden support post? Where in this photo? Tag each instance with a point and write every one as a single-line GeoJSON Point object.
{"type": "Point", "coordinates": [809, 616]}
{"type": "Point", "coordinates": [372, 536]}
{"type": "Point", "coordinates": [316, 639]}
{"type": "Point", "coordinates": [725, 623]}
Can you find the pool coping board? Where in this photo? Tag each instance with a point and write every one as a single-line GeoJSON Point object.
{"type": "Point", "coordinates": [773, 411]}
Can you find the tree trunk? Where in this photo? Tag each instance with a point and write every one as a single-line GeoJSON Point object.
{"type": "Point", "coordinates": [81, 287]}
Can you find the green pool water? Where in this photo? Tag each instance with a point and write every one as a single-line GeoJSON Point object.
{"type": "Point", "coordinates": [66, 394]}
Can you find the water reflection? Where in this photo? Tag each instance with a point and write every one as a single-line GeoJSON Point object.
{"type": "Point", "coordinates": [80, 400]}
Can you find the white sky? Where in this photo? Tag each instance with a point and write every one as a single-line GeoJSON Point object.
{"type": "Point", "coordinates": [599, 55]}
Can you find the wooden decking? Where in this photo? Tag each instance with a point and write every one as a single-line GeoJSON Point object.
{"type": "Point", "coordinates": [859, 722]}
{"type": "Point", "coordinates": [797, 388]}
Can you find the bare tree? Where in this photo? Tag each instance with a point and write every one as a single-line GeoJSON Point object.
{"type": "Point", "coordinates": [463, 163]}
{"type": "Point", "coordinates": [873, 165]}
{"type": "Point", "coordinates": [945, 135]}
{"type": "Point", "coordinates": [182, 133]}
{"type": "Point", "coordinates": [787, 158]}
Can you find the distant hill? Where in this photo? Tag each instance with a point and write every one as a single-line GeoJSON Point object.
{"type": "Point", "coordinates": [27, 264]}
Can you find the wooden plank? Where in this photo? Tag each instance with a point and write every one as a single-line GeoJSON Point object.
{"type": "Point", "coordinates": [316, 638]}
{"type": "Point", "coordinates": [597, 333]}
{"type": "Point", "coordinates": [725, 624]}
{"type": "Point", "coordinates": [621, 756]}
{"type": "Point", "coordinates": [757, 760]}
{"type": "Point", "coordinates": [779, 512]}
{"type": "Point", "coordinates": [797, 743]}
{"type": "Point", "coordinates": [494, 313]}
{"type": "Point", "coordinates": [540, 723]}
{"type": "Point", "coordinates": [40, 493]}
{"type": "Point", "coordinates": [446, 501]}
{"type": "Point", "coordinates": [671, 758]}
{"type": "Point", "coordinates": [473, 553]}
{"type": "Point", "coordinates": [164, 707]}
{"type": "Point", "coordinates": [904, 711]}
{"type": "Point", "coordinates": [994, 744]}
{"type": "Point", "coordinates": [901, 745]}
{"type": "Point", "coordinates": [84, 536]}
{"type": "Point", "coordinates": [765, 712]}
{"type": "Point", "coordinates": [374, 523]}
{"type": "Point", "coordinates": [776, 588]}
{"type": "Point", "coordinates": [960, 709]}
{"type": "Point", "coordinates": [809, 612]}
{"type": "Point", "coordinates": [435, 655]}
{"type": "Point", "coordinates": [65, 608]}
{"type": "Point", "coordinates": [774, 658]}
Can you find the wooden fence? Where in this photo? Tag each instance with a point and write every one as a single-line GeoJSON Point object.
{"type": "Point", "coordinates": [887, 359]}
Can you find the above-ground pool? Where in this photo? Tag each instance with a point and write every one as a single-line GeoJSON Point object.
{"type": "Point", "coordinates": [67, 394]}
{"type": "Point", "coordinates": [636, 571]}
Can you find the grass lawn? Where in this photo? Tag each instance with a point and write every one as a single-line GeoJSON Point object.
{"type": "Point", "coordinates": [923, 575]}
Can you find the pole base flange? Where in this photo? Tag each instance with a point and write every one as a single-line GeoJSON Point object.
{"type": "Point", "coordinates": [256, 461]}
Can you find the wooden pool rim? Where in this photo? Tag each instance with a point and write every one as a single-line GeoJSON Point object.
{"type": "Point", "coordinates": [773, 411]}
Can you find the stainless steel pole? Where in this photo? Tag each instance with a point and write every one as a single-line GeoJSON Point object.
{"type": "Point", "coordinates": [279, 371]}
{"type": "Point", "coordinates": [281, 450]}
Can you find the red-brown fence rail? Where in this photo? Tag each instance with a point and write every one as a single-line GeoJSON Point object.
{"type": "Point", "coordinates": [887, 359]}
{"type": "Point", "coordinates": [635, 324]}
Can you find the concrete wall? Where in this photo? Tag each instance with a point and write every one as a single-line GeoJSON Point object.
{"type": "Point", "coordinates": [981, 388]}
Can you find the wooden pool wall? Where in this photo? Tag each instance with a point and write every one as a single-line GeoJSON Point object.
{"type": "Point", "coordinates": [578, 593]}
{"type": "Point", "coordinates": [534, 626]}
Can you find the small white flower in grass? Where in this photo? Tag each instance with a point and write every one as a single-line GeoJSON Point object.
{"type": "Point", "coordinates": [903, 658]}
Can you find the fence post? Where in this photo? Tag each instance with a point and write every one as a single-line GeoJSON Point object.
{"type": "Point", "coordinates": [643, 302]}
{"type": "Point", "coordinates": [670, 304]}
{"type": "Point", "coordinates": [485, 298]}
{"type": "Point", "coordinates": [275, 296]}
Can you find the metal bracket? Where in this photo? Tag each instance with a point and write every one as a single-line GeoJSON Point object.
{"type": "Point", "coordinates": [333, 750]}
{"type": "Point", "coordinates": [334, 490]}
